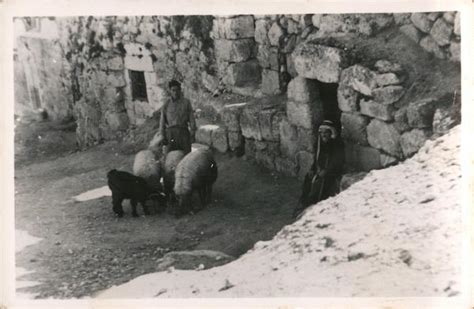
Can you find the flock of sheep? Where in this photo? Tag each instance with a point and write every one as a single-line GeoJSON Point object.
{"type": "Point", "coordinates": [165, 185]}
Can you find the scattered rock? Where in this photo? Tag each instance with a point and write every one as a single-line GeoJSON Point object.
{"type": "Point", "coordinates": [355, 256]}
{"type": "Point", "coordinates": [405, 257]}
{"type": "Point", "coordinates": [192, 259]}
{"type": "Point", "coordinates": [226, 286]}
{"type": "Point", "coordinates": [348, 180]}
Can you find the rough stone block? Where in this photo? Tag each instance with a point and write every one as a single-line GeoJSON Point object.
{"type": "Point", "coordinates": [359, 78]}
{"type": "Point", "coordinates": [218, 29]}
{"type": "Point", "coordinates": [303, 90]}
{"type": "Point", "coordinates": [261, 31]}
{"type": "Point", "coordinates": [386, 160]}
{"type": "Point", "coordinates": [290, 65]}
{"type": "Point", "coordinates": [115, 64]}
{"type": "Point", "coordinates": [430, 45]}
{"type": "Point", "coordinates": [304, 161]}
{"type": "Point", "coordinates": [210, 82]}
{"type": "Point", "coordinates": [306, 139]}
{"type": "Point", "coordinates": [388, 95]}
{"type": "Point", "coordinates": [433, 15]}
{"type": "Point", "coordinates": [249, 123]}
{"type": "Point", "coordinates": [387, 79]}
{"type": "Point", "coordinates": [219, 139]}
{"type": "Point", "coordinates": [325, 67]}
{"type": "Point", "coordinates": [268, 57]}
{"type": "Point", "coordinates": [275, 34]}
{"type": "Point", "coordinates": [243, 74]}
{"type": "Point", "coordinates": [412, 32]}
{"type": "Point", "coordinates": [270, 82]}
{"type": "Point", "coordinates": [265, 118]}
{"type": "Point", "coordinates": [385, 66]}
{"type": "Point", "coordinates": [377, 110]}
{"type": "Point", "coordinates": [239, 27]}
{"type": "Point", "coordinates": [422, 22]}
{"type": "Point", "coordinates": [286, 166]}
{"type": "Point", "coordinates": [204, 134]}
{"type": "Point", "coordinates": [277, 118]}
{"type": "Point", "coordinates": [231, 116]}
{"type": "Point", "coordinates": [144, 63]}
{"type": "Point", "coordinates": [117, 121]}
{"type": "Point", "coordinates": [288, 139]}
{"type": "Point", "coordinates": [316, 19]}
{"type": "Point", "coordinates": [289, 44]}
{"type": "Point", "coordinates": [449, 17]}
{"type": "Point", "coordinates": [235, 140]}
{"type": "Point", "coordinates": [457, 23]}
{"type": "Point", "coordinates": [441, 32]}
{"type": "Point", "coordinates": [234, 50]}
{"type": "Point", "coordinates": [361, 158]}
{"type": "Point", "coordinates": [354, 128]}
{"type": "Point", "coordinates": [156, 97]}
{"type": "Point", "coordinates": [420, 113]}
{"type": "Point", "coordinates": [413, 140]}
{"type": "Point", "coordinates": [292, 27]}
{"type": "Point", "coordinates": [300, 114]}
{"type": "Point", "coordinates": [347, 98]}
{"type": "Point", "coordinates": [401, 120]}
{"type": "Point", "coordinates": [384, 136]}
{"type": "Point", "coordinates": [455, 51]}
{"type": "Point", "coordinates": [116, 79]}
{"type": "Point", "coordinates": [402, 18]}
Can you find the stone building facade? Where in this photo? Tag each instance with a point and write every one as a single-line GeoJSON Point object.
{"type": "Point", "coordinates": [286, 73]}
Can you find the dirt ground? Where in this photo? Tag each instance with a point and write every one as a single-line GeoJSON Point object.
{"type": "Point", "coordinates": [86, 248]}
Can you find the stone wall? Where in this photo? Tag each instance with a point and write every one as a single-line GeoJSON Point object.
{"type": "Point", "coordinates": [437, 32]}
{"type": "Point", "coordinates": [41, 79]}
{"type": "Point", "coordinates": [277, 64]}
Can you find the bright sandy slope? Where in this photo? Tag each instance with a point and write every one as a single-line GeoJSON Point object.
{"type": "Point", "coordinates": [395, 233]}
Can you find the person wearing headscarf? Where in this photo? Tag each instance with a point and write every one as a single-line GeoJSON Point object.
{"type": "Point", "coordinates": [177, 123]}
{"type": "Point", "coordinates": [322, 179]}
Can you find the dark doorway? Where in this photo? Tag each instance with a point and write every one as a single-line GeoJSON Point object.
{"type": "Point", "coordinates": [328, 95]}
{"type": "Point", "coordinates": [137, 79]}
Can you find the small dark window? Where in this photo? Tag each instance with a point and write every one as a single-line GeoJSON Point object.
{"type": "Point", "coordinates": [137, 79]}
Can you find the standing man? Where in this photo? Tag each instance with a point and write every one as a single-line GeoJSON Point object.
{"type": "Point", "coordinates": [177, 124]}
{"type": "Point", "coordinates": [322, 180]}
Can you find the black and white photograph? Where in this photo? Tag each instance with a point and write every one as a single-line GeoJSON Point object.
{"type": "Point", "coordinates": [239, 156]}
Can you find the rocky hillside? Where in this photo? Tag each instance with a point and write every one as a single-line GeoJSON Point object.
{"type": "Point", "coordinates": [400, 226]}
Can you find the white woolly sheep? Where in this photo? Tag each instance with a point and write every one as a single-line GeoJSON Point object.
{"type": "Point", "coordinates": [146, 166]}
{"type": "Point", "coordinates": [196, 171]}
{"type": "Point", "coordinates": [169, 167]}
